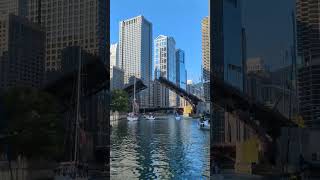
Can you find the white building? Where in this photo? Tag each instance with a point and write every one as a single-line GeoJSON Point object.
{"type": "Point", "coordinates": [135, 53]}
{"type": "Point", "coordinates": [165, 66]}
{"type": "Point", "coordinates": [114, 55]}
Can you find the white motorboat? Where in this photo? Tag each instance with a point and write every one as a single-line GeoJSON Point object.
{"type": "Point", "coordinates": [150, 117]}
{"type": "Point", "coordinates": [132, 117]}
{"type": "Point", "coordinates": [177, 117]}
{"type": "Point", "coordinates": [205, 125]}
{"type": "Point", "coordinates": [144, 115]}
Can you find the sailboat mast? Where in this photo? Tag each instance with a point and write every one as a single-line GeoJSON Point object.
{"type": "Point", "coordinates": [77, 108]}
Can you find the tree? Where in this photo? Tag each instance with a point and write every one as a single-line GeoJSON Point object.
{"type": "Point", "coordinates": [119, 101]}
{"type": "Point", "coordinates": [34, 126]}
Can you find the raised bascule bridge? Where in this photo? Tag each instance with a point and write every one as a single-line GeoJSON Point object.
{"type": "Point", "coordinates": [140, 86]}
{"type": "Point", "coordinates": [265, 122]}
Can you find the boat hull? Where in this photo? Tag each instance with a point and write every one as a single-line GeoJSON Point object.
{"type": "Point", "coordinates": [150, 118]}
{"type": "Point", "coordinates": [204, 125]}
{"type": "Point", "coordinates": [132, 118]}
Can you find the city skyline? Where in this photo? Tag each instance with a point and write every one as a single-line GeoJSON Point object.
{"type": "Point", "coordinates": [183, 26]}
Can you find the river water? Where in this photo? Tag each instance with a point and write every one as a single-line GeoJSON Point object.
{"type": "Point", "coordinates": [164, 148]}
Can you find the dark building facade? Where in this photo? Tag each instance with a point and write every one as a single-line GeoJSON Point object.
{"type": "Point", "coordinates": [21, 53]}
{"type": "Point", "coordinates": [308, 46]}
{"type": "Point", "coordinates": [226, 55]}
{"type": "Point", "coordinates": [309, 94]}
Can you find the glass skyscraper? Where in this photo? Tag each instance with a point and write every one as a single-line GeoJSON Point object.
{"type": "Point", "coordinates": [226, 53]}
{"type": "Point", "coordinates": [181, 74]}
{"type": "Point", "coordinates": [181, 69]}
{"type": "Point", "coordinates": [165, 66]}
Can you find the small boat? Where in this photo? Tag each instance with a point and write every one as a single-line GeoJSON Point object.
{"type": "Point", "coordinates": [144, 115]}
{"type": "Point", "coordinates": [132, 117]}
{"type": "Point", "coordinates": [205, 125]}
{"type": "Point", "coordinates": [150, 117]}
{"type": "Point", "coordinates": [177, 116]}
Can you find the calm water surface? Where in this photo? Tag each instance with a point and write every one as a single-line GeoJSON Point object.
{"type": "Point", "coordinates": [164, 148]}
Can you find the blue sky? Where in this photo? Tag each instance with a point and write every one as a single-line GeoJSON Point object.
{"type": "Point", "coordinates": [180, 19]}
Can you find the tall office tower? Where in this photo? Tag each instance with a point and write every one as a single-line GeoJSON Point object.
{"type": "Point", "coordinates": [21, 53]}
{"type": "Point", "coordinates": [181, 74]}
{"type": "Point", "coordinates": [114, 55]}
{"type": "Point", "coordinates": [71, 23]}
{"type": "Point", "coordinates": [308, 46]}
{"type": "Point", "coordinates": [165, 66]}
{"type": "Point", "coordinates": [135, 53]}
{"type": "Point", "coordinates": [206, 57]}
{"type": "Point", "coordinates": [226, 53]}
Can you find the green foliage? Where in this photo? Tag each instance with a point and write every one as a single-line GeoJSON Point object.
{"type": "Point", "coordinates": [34, 124]}
{"type": "Point", "coordinates": [119, 101]}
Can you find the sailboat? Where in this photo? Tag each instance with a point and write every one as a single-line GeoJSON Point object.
{"type": "Point", "coordinates": [132, 116]}
{"type": "Point", "coordinates": [74, 170]}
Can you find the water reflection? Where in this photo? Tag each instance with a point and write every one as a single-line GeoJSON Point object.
{"type": "Point", "coordinates": [161, 149]}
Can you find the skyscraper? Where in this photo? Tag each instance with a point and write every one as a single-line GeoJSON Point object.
{"type": "Point", "coordinates": [114, 55]}
{"type": "Point", "coordinates": [21, 53]}
{"type": "Point", "coordinates": [135, 53]}
{"type": "Point", "coordinates": [181, 69]}
{"type": "Point", "coordinates": [226, 53]}
{"type": "Point", "coordinates": [71, 23]}
{"type": "Point", "coordinates": [22, 47]}
{"type": "Point", "coordinates": [206, 57]}
{"type": "Point", "coordinates": [165, 66]}
{"type": "Point", "coordinates": [181, 74]}
{"type": "Point", "coordinates": [308, 46]}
